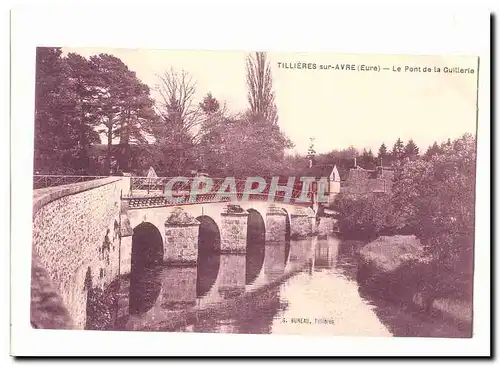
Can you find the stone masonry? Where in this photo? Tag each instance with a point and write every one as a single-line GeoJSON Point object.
{"type": "Point", "coordinates": [325, 226]}
{"type": "Point", "coordinates": [234, 229]}
{"type": "Point", "coordinates": [275, 224]}
{"type": "Point", "coordinates": [301, 224]}
{"type": "Point", "coordinates": [76, 236]}
{"type": "Point", "coordinates": [181, 238]}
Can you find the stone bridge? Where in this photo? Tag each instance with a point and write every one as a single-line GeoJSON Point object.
{"type": "Point", "coordinates": [221, 226]}
{"type": "Point", "coordinates": [87, 234]}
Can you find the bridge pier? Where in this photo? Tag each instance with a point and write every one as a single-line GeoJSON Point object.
{"type": "Point", "coordinates": [181, 238]}
{"type": "Point", "coordinates": [275, 224]}
{"type": "Point", "coordinates": [302, 222]}
{"type": "Point", "coordinates": [234, 220]}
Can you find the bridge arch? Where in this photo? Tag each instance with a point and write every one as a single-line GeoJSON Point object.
{"type": "Point", "coordinates": [209, 237]}
{"type": "Point", "coordinates": [147, 246]}
{"type": "Point", "coordinates": [256, 226]}
{"type": "Point", "coordinates": [255, 249]}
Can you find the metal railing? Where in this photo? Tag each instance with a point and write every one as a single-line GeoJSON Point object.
{"type": "Point", "coordinates": [46, 181]}
{"type": "Point", "coordinates": [152, 192]}
{"type": "Point", "coordinates": [161, 201]}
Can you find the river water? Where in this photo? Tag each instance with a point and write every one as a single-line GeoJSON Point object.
{"type": "Point", "coordinates": [303, 286]}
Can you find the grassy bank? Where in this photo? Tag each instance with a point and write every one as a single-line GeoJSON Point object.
{"type": "Point", "coordinates": [396, 268]}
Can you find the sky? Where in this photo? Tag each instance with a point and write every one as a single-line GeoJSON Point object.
{"type": "Point", "coordinates": [338, 108]}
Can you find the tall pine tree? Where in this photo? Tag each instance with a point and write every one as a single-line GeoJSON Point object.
{"type": "Point", "coordinates": [398, 150]}
{"type": "Point", "coordinates": [411, 150]}
{"type": "Point", "coordinates": [124, 107]}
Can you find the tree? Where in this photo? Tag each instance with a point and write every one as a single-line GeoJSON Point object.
{"type": "Point", "coordinates": [211, 146]}
{"type": "Point", "coordinates": [210, 105]}
{"type": "Point", "coordinates": [342, 158]}
{"type": "Point", "coordinates": [242, 137]}
{"type": "Point", "coordinates": [260, 93]}
{"type": "Point", "coordinates": [253, 133]}
{"type": "Point", "coordinates": [311, 153]}
{"type": "Point", "coordinates": [51, 95]}
{"type": "Point", "coordinates": [398, 150]}
{"type": "Point", "coordinates": [64, 127]}
{"type": "Point", "coordinates": [432, 150]}
{"type": "Point", "coordinates": [124, 107]}
{"type": "Point", "coordinates": [179, 131]}
{"type": "Point", "coordinates": [368, 160]}
{"type": "Point", "coordinates": [81, 81]}
{"type": "Point", "coordinates": [436, 196]}
{"type": "Point", "coordinates": [382, 154]}
{"type": "Point", "coordinates": [411, 150]}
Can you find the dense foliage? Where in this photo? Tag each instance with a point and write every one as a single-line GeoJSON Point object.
{"type": "Point", "coordinates": [433, 198]}
{"type": "Point", "coordinates": [367, 216]}
{"type": "Point", "coordinates": [436, 197]}
{"type": "Point", "coordinates": [79, 101]}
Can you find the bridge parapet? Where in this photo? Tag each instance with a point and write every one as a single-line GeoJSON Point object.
{"type": "Point", "coordinates": [147, 192]}
{"type": "Point", "coordinates": [76, 236]}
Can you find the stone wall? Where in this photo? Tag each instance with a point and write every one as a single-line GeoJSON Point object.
{"type": "Point", "coordinates": [181, 238]}
{"type": "Point", "coordinates": [234, 230]}
{"type": "Point", "coordinates": [76, 237]}
{"type": "Point", "coordinates": [301, 223]}
{"type": "Point", "coordinates": [275, 225]}
{"type": "Point", "coordinates": [326, 226]}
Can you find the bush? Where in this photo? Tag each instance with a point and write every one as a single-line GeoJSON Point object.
{"type": "Point", "coordinates": [366, 216]}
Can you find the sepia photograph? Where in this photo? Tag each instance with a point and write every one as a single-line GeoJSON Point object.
{"type": "Point", "coordinates": [202, 181]}
{"type": "Point", "coordinates": [254, 192]}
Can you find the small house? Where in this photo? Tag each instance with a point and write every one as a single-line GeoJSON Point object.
{"type": "Point", "coordinates": [328, 173]}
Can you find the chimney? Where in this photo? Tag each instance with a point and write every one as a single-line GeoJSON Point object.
{"type": "Point", "coordinates": [355, 165]}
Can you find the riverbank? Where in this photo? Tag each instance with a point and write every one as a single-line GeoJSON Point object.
{"type": "Point", "coordinates": [396, 269]}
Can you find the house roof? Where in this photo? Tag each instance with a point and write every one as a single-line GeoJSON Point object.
{"type": "Point", "coordinates": [318, 171]}
{"type": "Point", "coordinates": [343, 172]}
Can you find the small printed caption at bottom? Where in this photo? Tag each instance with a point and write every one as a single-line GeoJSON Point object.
{"type": "Point", "coordinates": [313, 321]}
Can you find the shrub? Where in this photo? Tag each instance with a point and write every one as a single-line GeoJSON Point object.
{"type": "Point", "coordinates": [366, 216]}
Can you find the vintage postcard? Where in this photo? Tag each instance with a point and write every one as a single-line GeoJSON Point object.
{"type": "Point", "coordinates": [223, 193]}
{"type": "Point", "coordinates": [254, 192]}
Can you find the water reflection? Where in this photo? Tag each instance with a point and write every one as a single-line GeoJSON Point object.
{"type": "Point", "coordinates": [145, 287]}
{"type": "Point", "coordinates": [232, 276]}
{"type": "Point", "coordinates": [287, 251]}
{"type": "Point", "coordinates": [322, 287]}
{"type": "Point", "coordinates": [178, 288]}
{"type": "Point", "coordinates": [207, 272]}
{"type": "Point", "coordinates": [254, 261]}
{"type": "Point", "coordinates": [326, 253]}
{"type": "Point", "coordinates": [274, 265]}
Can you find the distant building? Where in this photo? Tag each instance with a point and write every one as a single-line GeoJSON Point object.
{"type": "Point", "coordinates": [361, 181]}
{"type": "Point", "coordinates": [325, 172]}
